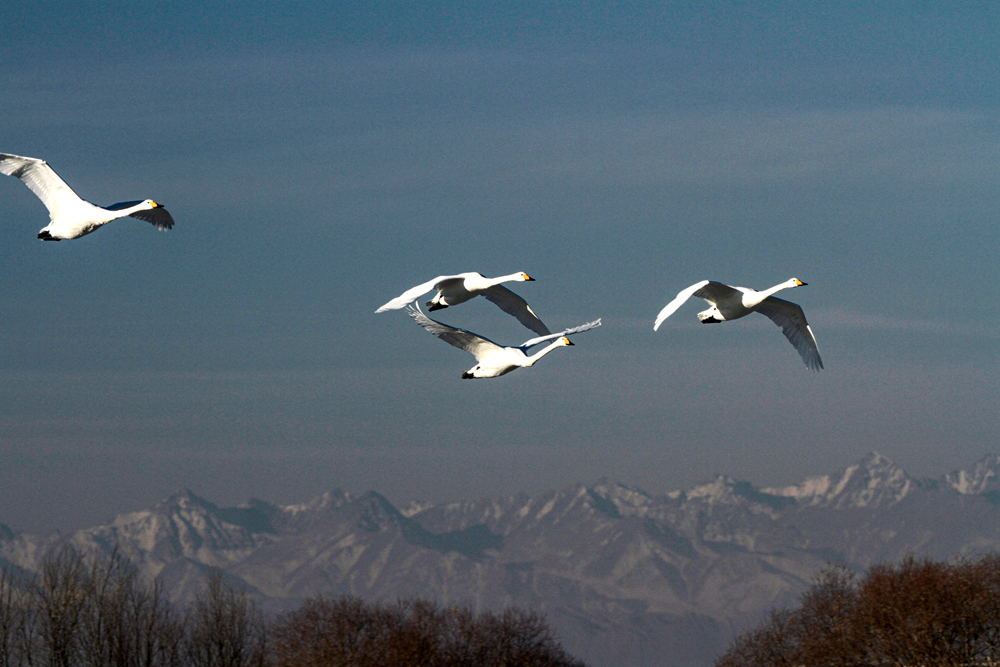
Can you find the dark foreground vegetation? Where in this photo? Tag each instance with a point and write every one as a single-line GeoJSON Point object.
{"type": "Point", "coordinates": [101, 613]}
{"type": "Point", "coordinates": [916, 612]}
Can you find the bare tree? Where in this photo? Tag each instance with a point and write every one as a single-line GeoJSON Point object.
{"type": "Point", "coordinates": [926, 612]}
{"type": "Point", "coordinates": [224, 628]}
{"type": "Point", "coordinates": [127, 623]}
{"type": "Point", "coordinates": [519, 637]}
{"type": "Point", "coordinates": [9, 614]}
{"type": "Point", "coordinates": [60, 596]}
{"type": "Point", "coordinates": [160, 630]}
{"type": "Point", "coordinates": [16, 618]}
{"type": "Point", "coordinates": [100, 612]}
{"type": "Point", "coordinates": [915, 612]}
{"type": "Point", "coordinates": [774, 644]}
{"type": "Point", "coordinates": [827, 633]}
{"type": "Point", "coordinates": [332, 632]}
{"type": "Point", "coordinates": [412, 633]}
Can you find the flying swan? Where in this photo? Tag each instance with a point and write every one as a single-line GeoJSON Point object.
{"type": "Point", "coordinates": [494, 360]}
{"type": "Point", "coordinates": [459, 288]}
{"type": "Point", "coordinates": [730, 303]}
{"type": "Point", "coordinates": [72, 217]}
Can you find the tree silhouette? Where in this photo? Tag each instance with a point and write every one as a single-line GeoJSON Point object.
{"type": "Point", "coordinates": [915, 612]}
{"type": "Point", "coordinates": [347, 632]}
{"type": "Point", "coordinates": [100, 612]}
{"type": "Point", "coordinates": [225, 628]}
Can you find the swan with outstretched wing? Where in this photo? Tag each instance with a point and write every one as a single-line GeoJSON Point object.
{"type": "Point", "coordinates": [71, 217]}
{"type": "Point", "coordinates": [730, 303]}
{"type": "Point", "coordinates": [459, 288]}
{"type": "Point", "coordinates": [494, 360]}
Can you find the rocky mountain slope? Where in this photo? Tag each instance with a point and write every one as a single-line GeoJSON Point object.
{"type": "Point", "coordinates": [625, 577]}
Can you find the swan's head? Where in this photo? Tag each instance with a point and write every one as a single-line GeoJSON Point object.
{"type": "Point", "coordinates": [149, 203]}
{"type": "Point", "coordinates": [525, 277]}
{"type": "Point", "coordinates": [797, 283]}
{"type": "Point", "coordinates": [565, 341]}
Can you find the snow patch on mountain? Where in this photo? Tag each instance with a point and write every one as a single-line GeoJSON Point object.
{"type": "Point", "coordinates": [607, 562]}
{"type": "Point", "coordinates": [983, 478]}
{"type": "Point", "coordinates": [875, 481]}
{"type": "Point", "coordinates": [326, 501]}
{"type": "Point", "coordinates": [718, 490]}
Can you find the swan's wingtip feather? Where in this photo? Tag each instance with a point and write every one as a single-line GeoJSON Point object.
{"type": "Point", "coordinates": [816, 363]}
{"type": "Point", "coordinates": [395, 304]}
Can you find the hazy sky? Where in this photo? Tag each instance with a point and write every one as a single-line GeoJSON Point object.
{"type": "Point", "coordinates": [320, 158]}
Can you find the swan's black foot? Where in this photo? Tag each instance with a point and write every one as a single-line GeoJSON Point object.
{"type": "Point", "coordinates": [45, 236]}
{"type": "Point", "coordinates": [431, 306]}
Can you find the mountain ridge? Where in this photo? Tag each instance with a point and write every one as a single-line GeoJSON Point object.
{"type": "Point", "coordinates": [612, 566]}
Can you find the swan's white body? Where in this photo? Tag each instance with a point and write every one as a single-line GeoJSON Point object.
{"type": "Point", "coordinates": [731, 303]}
{"type": "Point", "coordinates": [494, 360]}
{"type": "Point", "coordinates": [70, 216]}
{"type": "Point", "coordinates": [459, 288]}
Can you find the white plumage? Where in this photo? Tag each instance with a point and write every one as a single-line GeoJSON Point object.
{"type": "Point", "coordinates": [459, 288]}
{"type": "Point", "coordinates": [494, 360]}
{"type": "Point", "coordinates": [70, 216]}
{"type": "Point", "coordinates": [730, 303]}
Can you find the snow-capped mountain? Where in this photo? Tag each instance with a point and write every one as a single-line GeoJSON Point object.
{"type": "Point", "coordinates": [983, 478]}
{"type": "Point", "coordinates": [624, 576]}
{"type": "Point", "coordinates": [872, 482]}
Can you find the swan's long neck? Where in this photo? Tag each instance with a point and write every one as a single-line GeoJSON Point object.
{"type": "Point", "coordinates": [532, 359]}
{"type": "Point", "coordinates": [756, 298]}
{"type": "Point", "coordinates": [504, 279]}
{"type": "Point", "coordinates": [107, 215]}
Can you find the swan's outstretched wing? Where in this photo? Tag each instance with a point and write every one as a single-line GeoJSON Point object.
{"type": "Point", "coordinates": [158, 216]}
{"type": "Point", "coordinates": [714, 292]}
{"type": "Point", "coordinates": [678, 301]}
{"type": "Point", "coordinates": [512, 304]}
{"type": "Point", "coordinates": [476, 345]}
{"type": "Point", "coordinates": [568, 332]}
{"type": "Point", "coordinates": [40, 179]}
{"type": "Point", "coordinates": [792, 320]}
{"type": "Point", "coordinates": [414, 293]}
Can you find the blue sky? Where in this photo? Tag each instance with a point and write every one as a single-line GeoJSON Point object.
{"type": "Point", "coordinates": [319, 160]}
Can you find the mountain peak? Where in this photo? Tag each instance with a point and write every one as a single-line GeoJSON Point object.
{"type": "Point", "coordinates": [329, 500]}
{"type": "Point", "coordinates": [873, 481]}
{"type": "Point", "coordinates": [625, 499]}
{"type": "Point", "coordinates": [876, 462]}
{"type": "Point", "coordinates": [984, 477]}
{"type": "Point", "coordinates": [718, 489]}
{"type": "Point", "coordinates": [185, 501]}
{"type": "Point", "coordinates": [611, 560]}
